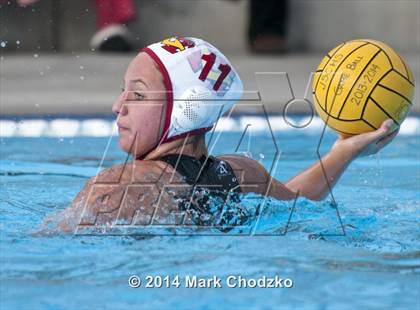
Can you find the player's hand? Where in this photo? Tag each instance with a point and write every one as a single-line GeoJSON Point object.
{"type": "Point", "coordinates": [367, 143]}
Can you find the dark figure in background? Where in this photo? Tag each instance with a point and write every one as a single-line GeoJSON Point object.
{"type": "Point", "coordinates": [268, 26]}
{"type": "Point", "coordinates": [112, 16]}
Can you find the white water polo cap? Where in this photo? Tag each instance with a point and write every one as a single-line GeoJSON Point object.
{"type": "Point", "coordinates": [201, 85]}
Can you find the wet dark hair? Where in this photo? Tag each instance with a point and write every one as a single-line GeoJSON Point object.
{"type": "Point", "coordinates": [200, 140]}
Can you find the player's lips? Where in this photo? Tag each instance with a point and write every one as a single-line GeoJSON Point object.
{"type": "Point", "coordinates": [121, 128]}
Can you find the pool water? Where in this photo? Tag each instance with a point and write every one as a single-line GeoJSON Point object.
{"type": "Point", "coordinates": [372, 260]}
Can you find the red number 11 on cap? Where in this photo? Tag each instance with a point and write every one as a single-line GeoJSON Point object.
{"type": "Point", "coordinates": [224, 70]}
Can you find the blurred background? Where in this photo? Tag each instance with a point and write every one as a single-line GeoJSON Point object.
{"type": "Point", "coordinates": [62, 57]}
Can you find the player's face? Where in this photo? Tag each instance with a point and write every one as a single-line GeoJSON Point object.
{"type": "Point", "coordinates": [141, 106]}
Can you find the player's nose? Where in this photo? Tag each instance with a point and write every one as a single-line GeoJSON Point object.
{"type": "Point", "coordinates": [119, 106]}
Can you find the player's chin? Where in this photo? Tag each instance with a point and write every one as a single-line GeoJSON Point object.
{"type": "Point", "coordinates": [125, 142]}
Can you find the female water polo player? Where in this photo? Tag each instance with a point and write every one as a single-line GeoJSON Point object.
{"type": "Point", "coordinates": [174, 92]}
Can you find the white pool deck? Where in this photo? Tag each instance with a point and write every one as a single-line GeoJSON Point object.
{"type": "Point", "coordinates": [96, 127]}
{"type": "Point", "coordinates": [68, 95]}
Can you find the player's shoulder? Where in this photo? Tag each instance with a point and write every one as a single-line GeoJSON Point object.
{"type": "Point", "coordinates": [249, 172]}
{"type": "Point", "coordinates": [241, 161]}
{"type": "Point", "coordinates": [134, 172]}
{"type": "Point", "coordinates": [251, 175]}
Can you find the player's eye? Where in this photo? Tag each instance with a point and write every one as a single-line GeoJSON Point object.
{"type": "Point", "coordinates": [138, 96]}
{"type": "Point", "coordinates": [122, 89]}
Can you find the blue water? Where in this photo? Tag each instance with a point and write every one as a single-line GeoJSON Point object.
{"type": "Point", "coordinates": [376, 264]}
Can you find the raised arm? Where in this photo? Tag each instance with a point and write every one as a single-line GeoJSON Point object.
{"type": "Point", "coordinates": [312, 182]}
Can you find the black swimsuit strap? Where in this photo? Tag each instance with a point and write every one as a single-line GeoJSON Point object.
{"type": "Point", "coordinates": [209, 171]}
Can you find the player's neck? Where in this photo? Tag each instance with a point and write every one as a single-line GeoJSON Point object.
{"type": "Point", "coordinates": [179, 147]}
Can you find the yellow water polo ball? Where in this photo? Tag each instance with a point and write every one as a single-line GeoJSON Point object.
{"type": "Point", "coordinates": [361, 83]}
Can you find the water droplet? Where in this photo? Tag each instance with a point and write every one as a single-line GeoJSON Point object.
{"type": "Point", "coordinates": [81, 67]}
{"type": "Point", "coordinates": [36, 105]}
{"type": "Point", "coordinates": [36, 55]}
{"type": "Point", "coordinates": [82, 78]}
{"type": "Point", "coordinates": [3, 44]}
{"type": "Point", "coordinates": [17, 42]}
{"type": "Point", "coordinates": [41, 73]}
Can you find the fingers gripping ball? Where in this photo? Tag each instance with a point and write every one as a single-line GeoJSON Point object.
{"type": "Point", "coordinates": [361, 83]}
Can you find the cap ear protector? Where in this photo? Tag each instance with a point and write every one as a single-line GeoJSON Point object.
{"type": "Point", "coordinates": [201, 85]}
{"type": "Point", "coordinates": [191, 110]}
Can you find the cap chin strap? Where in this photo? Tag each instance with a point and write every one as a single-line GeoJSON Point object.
{"type": "Point", "coordinates": [183, 135]}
